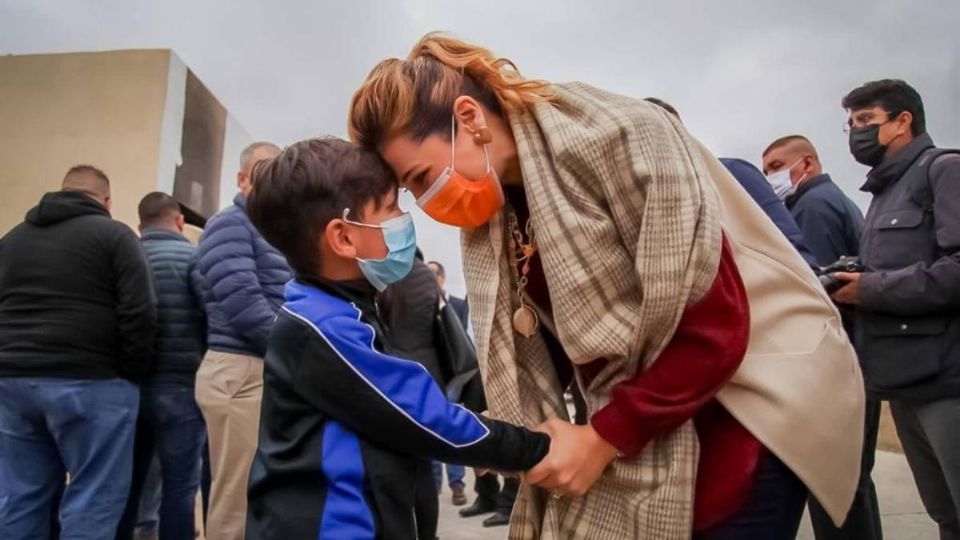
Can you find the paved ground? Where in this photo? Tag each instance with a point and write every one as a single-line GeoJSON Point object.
{"type": "Point", "coordinates": [903, 515]}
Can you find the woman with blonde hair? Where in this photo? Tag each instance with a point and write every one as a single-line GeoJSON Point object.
{"type": "Point", "coordinates": [605, 248]}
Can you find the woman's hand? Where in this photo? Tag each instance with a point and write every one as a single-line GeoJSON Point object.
{"type": "Point", "coordinates": [577, 458]}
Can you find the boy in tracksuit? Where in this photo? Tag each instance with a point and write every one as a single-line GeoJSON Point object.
{"type": "Point", "coordinates": [344, 425]}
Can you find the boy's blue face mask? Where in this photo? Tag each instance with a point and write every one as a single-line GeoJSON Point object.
{"type": "Point", "coordinates": [401, 240]}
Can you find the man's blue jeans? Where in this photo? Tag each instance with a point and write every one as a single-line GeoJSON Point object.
{"type": "Point", "coordinates": [455, 474]}
{"type": "Point", "coordinates": [172, 428]}
{"type": "Point", "coordinates": [50, 427]}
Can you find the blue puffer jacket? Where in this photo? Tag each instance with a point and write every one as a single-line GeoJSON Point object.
{"type": "Point", "coordinates": [181, 330]}
{"type": "Point", "coordinates": [243, 280]}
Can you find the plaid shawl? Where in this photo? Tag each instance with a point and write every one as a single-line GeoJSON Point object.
{"type": "Point", "coordinates": [628, 228]}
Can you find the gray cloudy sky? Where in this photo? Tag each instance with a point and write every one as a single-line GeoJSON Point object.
{"type": "Point", "coordinates": [741, 72]}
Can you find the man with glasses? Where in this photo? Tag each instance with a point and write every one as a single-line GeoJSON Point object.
{"type": "Point", "coordinates": [908, 297]}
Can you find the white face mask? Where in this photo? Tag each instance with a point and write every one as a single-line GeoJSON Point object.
{"type": "Point", "coordinates": [781, 183]}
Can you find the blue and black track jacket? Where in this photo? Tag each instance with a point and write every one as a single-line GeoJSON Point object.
{"type": "Point", "coordinates": [343, 426]}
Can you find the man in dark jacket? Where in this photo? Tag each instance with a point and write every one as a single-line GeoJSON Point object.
{"type": "Point", "coordinates": [459, 305]}
{"type": "Point", "coordinates": [908, 297]}
{"type": "Point", "coordinates": [77, 320]}
{"type": "Point", "coordinates": [455, 473]}
{"type": "Point", "coordinates": [170, 424]}
{"type": "Point", "coordinates": [491, 498]}
{"type": "Point", "coordinates": [409, 313]}
{"type": "Point", "coordinates": [242, 279]}
{"type": "Point", "coordinates": [829, 221]}
{"type": "Point", "coordinates": [831, 224]}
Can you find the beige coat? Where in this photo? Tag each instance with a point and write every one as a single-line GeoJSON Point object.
{"type": "Point", "coordinates": [629, 234]}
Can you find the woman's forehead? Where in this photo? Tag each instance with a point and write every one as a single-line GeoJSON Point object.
{"type": "Point", "coordinates": [404, 146]}
{"type": "Point", "coordinates": [397, 148]}
{"type": "Point", "coordinates": [404, 154]}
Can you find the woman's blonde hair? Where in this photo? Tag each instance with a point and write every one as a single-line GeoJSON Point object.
{"type": "Point", "coordinates": [415, 96]}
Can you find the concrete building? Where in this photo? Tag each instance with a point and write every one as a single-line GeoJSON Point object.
{"type": "Point", "coordinates": [140, 115]}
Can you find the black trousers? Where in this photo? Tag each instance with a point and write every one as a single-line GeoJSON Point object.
{"type": "Point", "coordinates": [773, 509]}
{"type": "Point", "coordinates": [489, 492]}
{"type": "Point", "coordinates": [426, 506]}
{"type": "Point", "coordinates": [863, 521]}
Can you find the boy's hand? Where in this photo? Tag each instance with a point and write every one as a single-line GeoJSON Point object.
{"type": "Point", "coordinates": [577, 458]}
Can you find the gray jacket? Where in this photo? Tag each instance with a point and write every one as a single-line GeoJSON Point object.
{"type": "Point", "coordinates": [908, 324]}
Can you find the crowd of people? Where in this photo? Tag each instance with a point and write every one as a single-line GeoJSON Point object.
{"type": "Point", "coordinates": [721, 336]}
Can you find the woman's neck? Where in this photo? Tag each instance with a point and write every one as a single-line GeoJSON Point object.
{"type": "Point", "coordinates": [504, 148]}
{"type": "Point", "coordinates": [512, 174]}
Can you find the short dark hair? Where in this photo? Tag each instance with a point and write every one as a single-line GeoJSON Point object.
{"type": "Point", "coordinates": [663, 105]}
{"type": "Point", "coordinates": [156, 207]}
{"type": "Point", "coordinates": [441, 271]}
{"type": "Point", "coordinates": [87, 179]}
{"type": "Point", "coordinates": [893, 96]}
{"type": "Point", "coordinates": [78, 170]}
{"type": "Point", "coordinates": [783, 141]}
{"type": "Point", "coordinates": [296, 194]}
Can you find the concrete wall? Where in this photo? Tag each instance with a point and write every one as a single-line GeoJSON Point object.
{"type": "Point", "coordinates": [235, 140]}
{"type": "Point", "coordinates": [59, 110]}
{"type": "Point", "coordinates": [131, 113]}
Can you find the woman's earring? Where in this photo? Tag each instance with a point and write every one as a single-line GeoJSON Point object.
{"type": "Point", "coordinates": [482, 136]}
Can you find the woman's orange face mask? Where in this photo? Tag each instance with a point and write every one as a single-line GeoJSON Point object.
{"type": "Point", "coordinates": [456, 200]}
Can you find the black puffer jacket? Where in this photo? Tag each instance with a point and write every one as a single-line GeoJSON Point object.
{"type": "Point", "coordinates": [181, 329]}
{"type": "Point", "coordinates": [76, 298]}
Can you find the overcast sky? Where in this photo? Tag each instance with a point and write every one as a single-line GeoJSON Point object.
{"type": "Point", "coordinates": [741, 72]}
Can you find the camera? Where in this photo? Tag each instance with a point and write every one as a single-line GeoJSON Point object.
{"type": "Point", "coordinates": [828, 276]}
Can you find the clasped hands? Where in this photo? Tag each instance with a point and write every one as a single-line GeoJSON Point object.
{"type": "Point", "coordinates": [576, 460]}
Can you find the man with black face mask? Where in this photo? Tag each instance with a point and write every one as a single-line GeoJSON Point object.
{"type": "Point", "coordinates": [908, 297]}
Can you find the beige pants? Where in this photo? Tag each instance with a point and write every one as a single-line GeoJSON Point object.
{"type": "Point", "coordinates": [229, 388]}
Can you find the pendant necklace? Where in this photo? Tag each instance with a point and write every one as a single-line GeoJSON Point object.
{"type": "Point", "coordinates": [525, 319]}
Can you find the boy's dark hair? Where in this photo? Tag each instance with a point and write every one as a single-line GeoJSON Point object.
{"type": "Point", "coordinates": [156, 207]}
{"type": "Point", "coordinates": [296, 194]}
{"type": "Point", "coordinates": [893, 96]}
